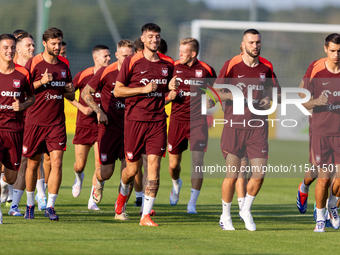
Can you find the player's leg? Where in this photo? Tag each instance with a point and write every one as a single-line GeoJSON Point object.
{"type": "Point", "coordinates": [40, 197]}
{"type": "Point", "coordinates": [18, 188]}
{"type": "Point", "coordinates": [91, 204]}
{"type": "Point", "coordinates": [123, 215]}
{"type": "Point", "coordinates": [138, 186]}
{"type": "Point", "coordinates": [241, 183]}
{"type": "Point", "coordinates": [47, 168]}
{"type": "Point", "coordinates": [174, 170]}
{"type": "Point", "coordinates": [81, 153]}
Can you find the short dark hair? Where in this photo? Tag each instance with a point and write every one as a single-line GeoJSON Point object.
{"type": "Point", "coordinates": [23, 36]}
{"type": "Point", "coordinates": [7, 37]}
{"type": "Point", "coordinates": [139, 45]}
{"type": "Point", "coordinates": [63, 43]}
{"type": "Point", "coordinates": [163, 47]}
{"type": "Point", "coordinates": [18, 32]}
{"type": "Point", "coordinates": [251, 31]}
{"type": "Point", "coordinates": [52, 33]}
{"type": "Point", "coordinates": [151, 27]}
{"type": "Point", "coordinates": [334, 38]}
{"type": "Point", "coordinates": [99, 47]}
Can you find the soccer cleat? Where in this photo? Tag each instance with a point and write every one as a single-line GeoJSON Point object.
{"type": "Point", "coordinates": [50, 212]}
{"type": "Point", "coordinates": [98, 192]}
{"type": "Point", "coordinates": [248, 220]}
{"type": "Point", "coordinates": [93, 207]}
{"type": "Point", "coordinates": [138, 202]}
{"type": "Point", "coordinates": [76, 188]}
{"type": "Point", "coordinates": [29, 213]}
{"type": "Point", "coordinates": [14, 211]}
{"type": "Point", "coordinates": [120, 204]}
{"type": "Point", "coordinates": [334, 217]}
{"type": "Point", "coordinates": [42, 202]}
{"type": "Point", "coordinates": [226, 224]}
{"type": "Point", "coordinates": [173, 196]}
{"type": "Point", "coordinates": [320, 226]}
{"type": "Point", "coordinates": [4, 193]}
{"type": "Point", "coordinates": [152, 213]}
{"type": "Point", "coordinates": [147, 221]}
{"type": "Point", "coordinates": [122, 216]}
{"type": "Point", "coordinates": [191, 209]}
{"type": "Point", "coordinates": [301, 200]}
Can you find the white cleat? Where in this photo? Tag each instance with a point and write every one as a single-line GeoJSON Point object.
{"type": "Point", "coordinates": [191, 209]}
{"type": "Point", "coordinates": [226, 224]}
{"type": "Point", "coordinates": [248, 220]}
{"type": "Point", "coordinates": [14, 211]}
{"type": "Point", "coordinates": [320, 226]}
{"type": "Point", "coordinates": [173, 196]}
{"type": "Point", "coordinates": [76, 188]}
{"type": "Point", "coordinates": [93, 207]}
{"type": "Point", "coordinates": [334, 217]}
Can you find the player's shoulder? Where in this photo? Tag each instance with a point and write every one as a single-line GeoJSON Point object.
{"type": "Point", "coordinates": [21, 69]}
{"type": "Point", "coordinates": [64, 60]}
{"type": "Point", "coordinates": [234, 60]}
{"type": "Point", "coordinates": [33, 62]}
{"type": "Point", "coordinates": [177, 62]}
{"type": "Point", "coordinates": [316, 66]}
{"type": "Point", "coordinates": [266, 62]}
{"type": "Point", "coordinates": [85, 73]}
{"type": "Point", "coordinates": [108, 69]}
{"type": "Point", "coordinates": [206, 66]}
{"type": "Point", "coordinates": [166, 58]}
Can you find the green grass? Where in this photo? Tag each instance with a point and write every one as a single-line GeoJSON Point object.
{"type": "Point", "coordinates": [281, 229]}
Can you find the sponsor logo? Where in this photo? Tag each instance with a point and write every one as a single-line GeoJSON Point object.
{"type": "Point", "coordinates": [182, 93]}
{"type": "Point", "coordinates": [199, 73]}
{"type": "Point", "coordinates": [61, 143]}
{"type": "Point", "coordinates": [163, 149]}
{"type": "Point", "coordinates": [154, 94]}
{"type": "Point", "coordinates": [10, 94]}
{"type": "Point", "coordinates": [57, 83]}
{"type": "Point", "coordinates": [103, 157]}
{"type": "Point", "coordinates": [202, 144]}
{"type": "Point", "coordinates": [48, 97]}
{"type": "Point", "coordinates": [240, 76]}
{"type": "Point", "coordinates": [4, 107]}
{"type": "Point", "coordinates": [325, 83]}
{"type": "Point", "coordinates": [317, 159]}
{"type": "Point", "coordinates": [169, 147]}
{"type": "Point", "coordinates": [63, 73]}
{"type": "Point", "coordinates": [143, 72]}
{"type": "Point", "coordinates": [24, 149]}
{"type": "Point", "coordinates": [157, 81]}
{"type": "Point", "coordinates": [113, 83]}
{"type": "Point", "coordinates": [129, 155]}
{"type": "Point", "coordinates": [120, 105]}
{"type": "Point", "coordinates": [241, 86]}
{"type": "Point", "coordinates": [190, 82]}
{"type": "Point", "coordinates": [262, 77]}
{"type": "Point", "coordinates": [165, 71]}
{"type": "Point", "coordinates": [334, 93]}
{"type": "Point", "coordinates": [144, 81]}
{"type": "Point", "coordinates": [179, 71]}
{"type": "Point", "coordinates": [331, 107]}
{"type": "Point", "coordinates": [16, 164]}
{"type": "Point", "coordinates": [264, 151]}
{"type": "Point", "coordinates": [16, 84]}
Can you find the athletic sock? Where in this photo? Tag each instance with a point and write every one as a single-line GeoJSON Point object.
{"type": "Point", "coordinates": [226, 209]}
{"type": "Point", "coordinates": [51, 200]}
{"type": "Point", "coordinates": [248, 201]}
{"type": "Point", "coordinates": [40, 187]}
{"type": "Point", "coordinates": [148, 204]}
{"type": "Point", "coordinates": [91, 202]}
{"type": "Point", "coordinates": [139, 194]}
{"type": "Point", "coordinates": [10, 192]}
{"type": "Point", "coordinates": [332, 201]}
{"type": "Point", "coordinates": [124, 189]}
{"type": "Point", "coordinates": [175, 184]}
{"type": "Point", "coordinates": [3, 185]}
{"type": "Point", "coordinates": [141, 208]}
{"type": "Point", "coordinates": [79, 178]}
{"type": "Point", "coordinates": [240, 201]}
{"type": "Point", "coordinates": [30, 198]}
{"type": "Point", "coordinates": [194, 195]}
{"type": "Point", "coordinates": [17, 194]}
{"type": "Point", "coordinates": [320, 214]}
{"type": "Point", "coordinates": [304, 188]}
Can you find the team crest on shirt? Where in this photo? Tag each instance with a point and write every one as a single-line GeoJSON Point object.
{"type": "Point", "coordinates": [317, 159]}
{"type": "Point", "coordinates": [262, 77]}
{"type": "Point", "coordinates": [103, 157]}
{"type": "Point", "coordinates": [165, 71]}
{"type": "Point", "coordinates": [169, 147]}
{"type": "Point", "coordinates": [16, 84]}
{"type": "Point", "coordinates": [129, 155]}
{"type": "Point", "coordinates": [63, 73]}
{"type": "Point", "coordinates": [199, 73]}
{"type": "Point", "coordinates": [24, 149]}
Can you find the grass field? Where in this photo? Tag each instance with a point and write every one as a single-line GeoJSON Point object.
{"type": "Point", "coordinates": [281, 229]}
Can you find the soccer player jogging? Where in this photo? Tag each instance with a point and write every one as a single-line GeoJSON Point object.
{"type": "Point", "coordinates": [238, 138]}
{"type": "Point", "coordinates": [15, 85]}
{"type": "Point", "coordinates": [325, 145]}
{"type": "Point", "coordinates": [86, 124]}
{"type": "Point", "coordinates": [110, 117]}
{"type": "Point", "coordinates": [186, 120]}
{"type": "Point", "coordinates": [143, 80]}
{"type": "Point", "coordinates": [45, 121]}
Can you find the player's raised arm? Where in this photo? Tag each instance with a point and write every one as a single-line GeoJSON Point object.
{"type": "Point", "coordinates": [47, 77]}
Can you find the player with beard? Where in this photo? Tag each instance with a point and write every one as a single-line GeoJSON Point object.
{"type": "Point", "coordinates": [238, 137]}
{"type": "Point", "coordinates": [143, 80]}
{"type": "Point", "coordinates": [45, 121]}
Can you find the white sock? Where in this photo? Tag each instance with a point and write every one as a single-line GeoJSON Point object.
{"type": "Point", "coordinates": [304, 188]}
{"type": "Point", "coordinates": [40, 187]}
{"type": "Point", "coordinates": [10, 192]}
{"type": "Point", "coordinates": [141, 208]}
{"type": "Point", "coordinates": [320, 214]}
{"type": "Point", "coordinates": [226, 209]}
{"type": "Point", "coordinates": [332, 201]}
{"type": "Point", "coordinates": [79, 178]}
{"type": "Point", "coordinates": [194, 195]}
{"type": "Point", "coordinates": [51, 200]}
{"type": "Point", "coordinates": [148, 204]}
{"type": "Point", "coordinates": [30, 198]}
{"type": "Point", "coordinates": [240, 201]}
{"type": "Point", "coordinates": [17, 194]}
{"type": "Point", "coordinates": [91, 198]}
{"type": "Point", "coordinates": [139, 194]}
{"type": "Point", "coordinates": [124, 189]}
{"type": "Point", "coordinates": [3, 186]}
{"type": "Point", "coordinates": [175, 184]}
{"type": "Point", "coordinates": [248, 201]}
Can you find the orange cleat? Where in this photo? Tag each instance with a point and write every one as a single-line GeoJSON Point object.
{"type": "Point", "coordinates": [147, 221]}
{"type": "Point", "coordinates": [120, 204]}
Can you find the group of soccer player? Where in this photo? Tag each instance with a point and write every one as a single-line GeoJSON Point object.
{"type": "Point", "coordinates": [121, 113]}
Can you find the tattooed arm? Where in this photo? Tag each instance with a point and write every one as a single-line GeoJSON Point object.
{"type": "Point", "coordinates": [86, 95]}
{"type": "Point", "coordinates": [17, 106]}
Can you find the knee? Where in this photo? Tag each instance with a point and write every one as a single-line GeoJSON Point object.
{"type": "Point", "coordinates": [106, 172]}
{"type": "Point", "coordinates": [57, 164]}
{"type": "Point", "coordinates": [174, 164]}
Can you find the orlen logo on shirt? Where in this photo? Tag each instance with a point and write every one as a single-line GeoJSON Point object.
{"type": "Point", "coordinates": [190, 82]}
{"type": "Point", "coordinates": [10, 94]}
{"type": "Point", "coordinates": [157, 81]}
{"type": "Point", "coordinates": [48, 96]}
{"type": "Point", "coordinates": [57, 83]}
{"type": "Point", "coordinates": [241, 85]}
{"type": "Point", "coordinates": [182, 93]}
